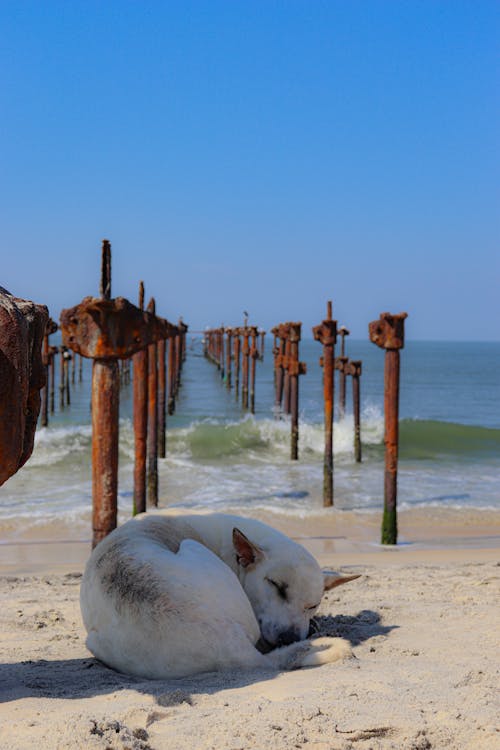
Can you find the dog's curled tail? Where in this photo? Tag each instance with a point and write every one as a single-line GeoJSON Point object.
{"type": "Point", "coordinates": [310, 653]}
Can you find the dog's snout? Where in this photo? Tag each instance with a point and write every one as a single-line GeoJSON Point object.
{"type": "Point", "coordinates": [287, 637]}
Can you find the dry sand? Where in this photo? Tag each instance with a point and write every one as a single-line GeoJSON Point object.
{"type": "Point", "coordinates": [423, 620]}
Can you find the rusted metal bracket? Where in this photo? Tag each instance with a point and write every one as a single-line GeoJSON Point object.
{"type": "Point", "coordinates": [110, 329]}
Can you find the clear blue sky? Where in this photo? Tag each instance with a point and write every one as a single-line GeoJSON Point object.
{"type": "Point", "coordinates": [256, 155]}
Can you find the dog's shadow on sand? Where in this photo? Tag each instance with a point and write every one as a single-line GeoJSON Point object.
{"type": "Point", "coordinates": [354, 628]}
{"type": "Point", "coordinates": [85, 678]}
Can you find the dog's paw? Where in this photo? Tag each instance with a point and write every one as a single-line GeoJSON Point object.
{"type": "Point", "coordinates": [325, 651]}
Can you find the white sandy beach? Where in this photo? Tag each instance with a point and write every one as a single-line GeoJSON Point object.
{"type": "Point", "coordinates": [422, 619]}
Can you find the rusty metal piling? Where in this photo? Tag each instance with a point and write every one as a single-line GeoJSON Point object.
{"type": "Point", "coordinates": [326, 334]}
{"type": "Point", "coordinates": [172, 377]}
{"type": "Point", "coordinates": [254, 355]}
{"type": "Point", "coordinates": [106, 330]}
{"type": "Point", "coordinates": [162, 385]}
{"type": "Point", "coordinates": [355, 372]}
{"type": "Point", "coordinates": [67, 360]}
{"type": "Point", "coordinates": [295, 368]}
{"type": "Point", "coordinates": [52, 360]}
{"type": "Point", "coordinates": [245, 352]}
{"type": "Point", "coordinates": [236, 357]}
{"type": "Point", "coordinates": [62, 373]}
{"type": "Point", "coordinates": [286, 365]}
{"type": "Point", "coordinates": [229, 355]}
{"type": "Point", "coordinates": [342, 332]}
{"type": "Point", "coordinates": [44, 408]}
{"type": "Point", "coordinates": [262, 335]}
{"type": "Point", "coordinates": [388, 334]}
{"type": "Point", "coordinates": [279, 365]}
{"type": "Point", "coordinates": [152, 470]}
{"type": "Point", "coordinates": [140, 416]}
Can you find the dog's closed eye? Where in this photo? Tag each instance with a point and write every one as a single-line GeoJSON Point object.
{"type": "Point", "coordinates": [310, 609]}
{"type": "Point", "coordinates": [280, 588]}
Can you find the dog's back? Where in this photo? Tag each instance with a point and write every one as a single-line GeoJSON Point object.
{"type": "Point", "coordinates": [157, 602]}
{"type": "Point", "coordinates": [155, 612]}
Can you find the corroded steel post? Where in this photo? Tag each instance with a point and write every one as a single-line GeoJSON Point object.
{"type": "Point", "coordinates": [354, 370]}
{"type": "Point", "coordinates": [62, 372]}
{"type": "Point", "coordinates": [295, 368]}
{"type": "Point", "coordinates": [276, 352]}
{"type": "Point", "coordinates": [262, 344]}
{"type": "Point", "coordinates": [171, 370]}
{"type": "Point", "coordinates": [80, 360]}
{"type": "Point", "coordinates": [222, 365]}
{"type": "Point", "coordinates": [106, 330]}
{"type": "Point", "coordinates": [341, 364]}
{"type": "Point", "coordinates": [326, 334]}
{"type": "Point", "coordinates": [105, 407]}
{"type": "Point", "coordinates": [140, 391]}
{"type": "Point", "coordinates": [280, 367]}
{"type": "Point", "coordinates": [343, 332]}
{"type": "Point", "coordinates": [245, 351]}
{"type": "Point", "coordinates": [229, 351]}
{"type": "Point", "coordinates": [152, 472]}
{"type": "Point", "coordinates": [388, 333]}
{"type": "Point", "coordinates": [67, 360]}
{"type": "Point", "coordinates": [254, 355]}
{"type": "Point", "coordinates": [162, 384]}
{"type": "Point", "coordinates": [44, 408]}
{"type": "Point", "coordinates": [237, 348]}
{"type": "Point", "coordinates": [52, 354]}
{"type": "Point", "coordinates": [47, 361]}
{"type": "Point", "coordinates": [286, 374]}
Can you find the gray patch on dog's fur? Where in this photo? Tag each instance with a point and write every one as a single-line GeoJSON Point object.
{"type": "Point", "coordinates": [129, 582]}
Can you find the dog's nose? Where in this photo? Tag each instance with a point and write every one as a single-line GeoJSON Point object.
{"type": "Point", "coordinates": [287, 637]}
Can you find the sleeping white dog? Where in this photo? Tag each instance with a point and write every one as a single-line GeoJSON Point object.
{"type": "Point", "coordinates": [167, 596]}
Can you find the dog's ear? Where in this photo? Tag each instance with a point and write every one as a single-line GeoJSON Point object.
{"type": "Point", "coordinates": [247, 553]}
{"type": "Point", "coordinates": [331, 579]}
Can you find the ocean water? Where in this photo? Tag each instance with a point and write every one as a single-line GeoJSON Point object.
{"type": "Point", "coordinates": [220, 458]}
